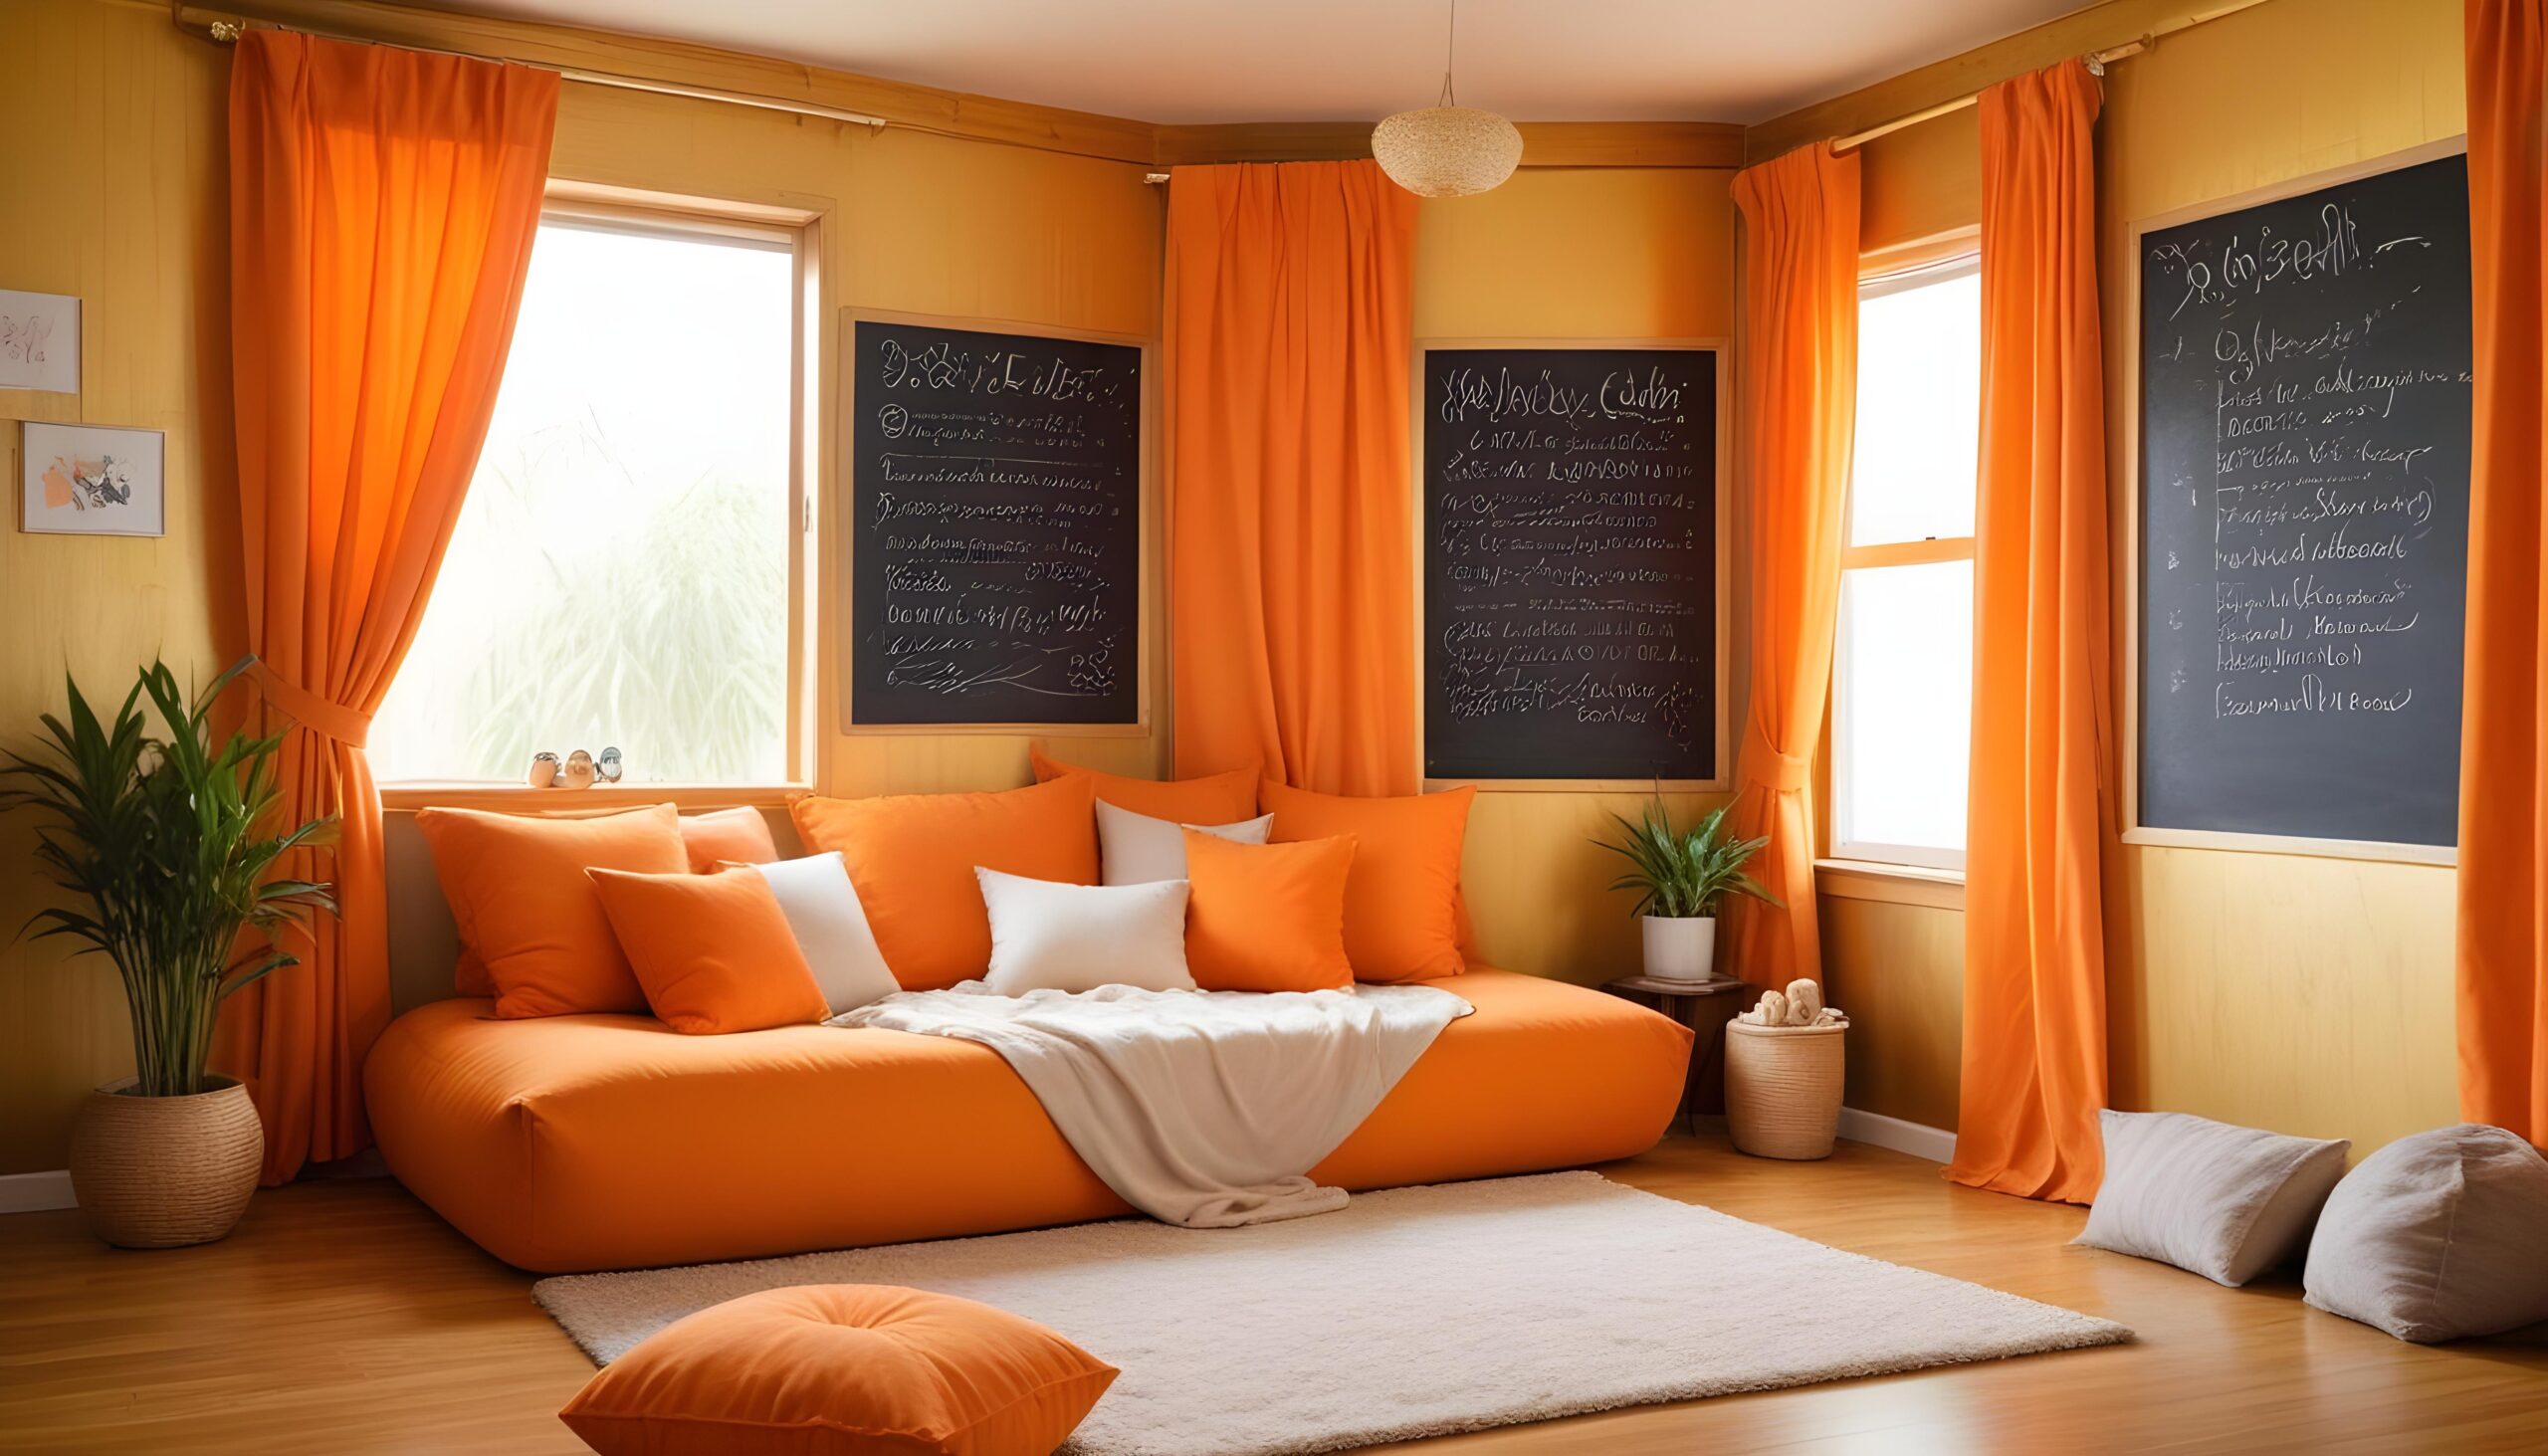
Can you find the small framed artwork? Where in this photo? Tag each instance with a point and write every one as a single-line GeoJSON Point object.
{"type": "Point", "coordinates": [89, 480]}
{"type": "Point", "coordinates": [38, 341]}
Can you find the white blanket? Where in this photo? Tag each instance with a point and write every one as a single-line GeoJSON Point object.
{"type": "Point", "coordinates": [1205, 1108]}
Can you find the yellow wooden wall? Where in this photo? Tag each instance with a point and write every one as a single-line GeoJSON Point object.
{"type": "Point", "coordinates": [1573, 253]}
{"type": "Point", "coordinates": [2310, 996]}
{"type": "Point", "coordinates": [112, 181]}
{"type": "Point", "coordinates": [112, 188]}
{"type": "Point", "coordinates": [2306, 994]}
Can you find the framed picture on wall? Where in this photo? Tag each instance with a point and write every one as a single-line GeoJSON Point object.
{"type": "Point", "coordinates": [90, 479]}
{"type": "Point", "coordinates": [38, 341]}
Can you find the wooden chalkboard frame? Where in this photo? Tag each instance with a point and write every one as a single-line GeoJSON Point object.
{"type": "Point", "coordinates": [1721, 779]}
{"type": "Point", "coordinates": [845, 531]}
{"type": "Point", "coordinates": [2134, 831]}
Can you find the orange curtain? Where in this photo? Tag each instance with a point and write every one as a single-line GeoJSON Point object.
{"type": "Point", "coordinates": [2034, 1000]}
{"type": "Point", "coordinates": [2503, 781]}
{"type": "Point", "coordinates": [1292, 560]}
{"type": "Point", "coordinates": [1800, 419]}
{"type": "Point", "coordinates": [381, 214]}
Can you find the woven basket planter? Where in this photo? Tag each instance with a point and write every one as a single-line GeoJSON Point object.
{"type": "Point", "coordinates": [161, 1173]}
{"type": "Point", "coordinates": [1783, 1087]}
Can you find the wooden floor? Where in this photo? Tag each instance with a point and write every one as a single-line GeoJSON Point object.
{"type": "Point", "coordinates": [344, 1317]}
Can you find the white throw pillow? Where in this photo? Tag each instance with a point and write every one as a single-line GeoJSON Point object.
{"type": "Point", "coordinates": [1077, 938]}
{"type": "Point", "coordinates": [1136, 849]}
{"type": "Point", "coordinates": [2440, 1236]}
{"type": "Point", "coordinates": [830, 926]}
{"type": "Point", "coordinates": [2223, 1202]}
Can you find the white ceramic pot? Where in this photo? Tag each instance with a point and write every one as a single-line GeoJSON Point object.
{"type": "Point", "coordinates": [1679, 948]}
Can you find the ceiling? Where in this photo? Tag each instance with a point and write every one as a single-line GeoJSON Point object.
{"type": "Point", "coordinates": [1210, 61]}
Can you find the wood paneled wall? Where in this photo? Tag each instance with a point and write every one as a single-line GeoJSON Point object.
{"type": "Point", "coordinates": [1591, 254]}
{"type": "Point", "coordinates": [2310, 996]}
{"type": "Point", "coordinates": [113, 187]}
{"type": "Point", "coordinates": [112, 143]}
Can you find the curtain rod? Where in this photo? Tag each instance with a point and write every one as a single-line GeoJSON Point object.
{"type": "Point", "coordinates": [2097, 61]}
{"type": "Point", "coordinates": [227, 30]}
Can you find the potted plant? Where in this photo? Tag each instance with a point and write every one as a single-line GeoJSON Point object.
{"type": "Point", "coordinates": [167, 840]}
{"type": "Point", "coordinates": [1679, 879]}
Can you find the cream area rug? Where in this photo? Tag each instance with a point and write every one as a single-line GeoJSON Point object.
{"type": "Point", "coordinates": [1411, 1312]}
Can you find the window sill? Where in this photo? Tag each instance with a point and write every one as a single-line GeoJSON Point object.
{"type": "Point", "coordinates": [522, 798]}
{"type": "Point", "coordinates": [1891, 884]}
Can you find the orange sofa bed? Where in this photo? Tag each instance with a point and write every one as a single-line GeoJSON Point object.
{"type": "Point", "coordinates": [568, 1143]}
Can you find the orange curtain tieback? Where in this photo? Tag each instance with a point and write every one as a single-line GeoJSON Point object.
{"type": "Point", "coordinates": [328, 719]}
{"type": "Point", "coordinates": [1786, 773]}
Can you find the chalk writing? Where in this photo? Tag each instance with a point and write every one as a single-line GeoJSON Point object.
{"type": "Point", "coordinates": [995, 535]}
{"type": "Point", "coordinates": [1571, 563]}
{"type": "Point", "coordinates": [2304, 489]}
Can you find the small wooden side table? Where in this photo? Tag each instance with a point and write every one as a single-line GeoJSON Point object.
{"type": "Point", "coordinates": [1704, 1007]}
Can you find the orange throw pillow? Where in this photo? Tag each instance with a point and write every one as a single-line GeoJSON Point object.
{"type": "Point", "coordinates": [1401, 905]}
{"type": "Point", "coordinates": [740, 835]}
{"type": "Point", "coordinates": [517, 892]}
{"type": "Point", "coordinates": [712, 952]}
{"type": "Point", "coordinates": [1267, 917]}
{"type": "Point", "coordinates": [1217, 798]}
{"type": "Point", "coordinates": [841, 1369]}
{"type": "Point", "coordinates": [912, 856]}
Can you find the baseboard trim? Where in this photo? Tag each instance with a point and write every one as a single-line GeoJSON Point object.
{"type": "Point", "coordinates": [35, 1193]}
{"type": "Point", "coordinates": [1878, 1131]}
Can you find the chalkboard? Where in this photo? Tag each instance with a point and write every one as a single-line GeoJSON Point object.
{"type": "Point", "coordinates": [995, 484]}
{"type": "Point", "coordinates": [2303, 513]}
{"type": "Point", "coordinates": [1572, 530]}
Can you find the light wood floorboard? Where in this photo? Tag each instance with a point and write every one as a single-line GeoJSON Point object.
{"type": "Point", "coordinates": [344, 1317]}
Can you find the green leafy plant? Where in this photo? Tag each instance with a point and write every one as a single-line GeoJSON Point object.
{"type": "Point", "coordinates": [167, 840]}
{"type": "Point", "coordinates": [1678, 876]}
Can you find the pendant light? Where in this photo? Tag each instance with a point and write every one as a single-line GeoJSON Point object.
{"type": "Point", "coordinates": [1447, 151]}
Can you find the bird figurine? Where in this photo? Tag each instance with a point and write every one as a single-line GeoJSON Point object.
{"type": "Point", "coordinates": [579, 770]}
{"type": "Point", "coordinates": [607, 768]}
{"type": "Point", "coordinates": [543, 772]}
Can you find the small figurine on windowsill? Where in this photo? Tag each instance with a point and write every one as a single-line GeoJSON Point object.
{"type": "Point", "coordinates": [579, 770]}
{"type": "Point", "coordinates": [543, 772]}
{"type": "Point", "coordinates": [607, 769]}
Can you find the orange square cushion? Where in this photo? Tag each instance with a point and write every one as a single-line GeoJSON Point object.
{"type": "Point", "coordinates": [740, 835]}
{"type": "Point", "coordinates": [517, 892]}
{"type": "Point", "coordinates": [712, 952]}
{"type": "Point", "coordinates": [1401, 905]}
{"type": "Point", "coordinates": [913, 856]}
{"type": "Point", "coordinates": [1218, 798]}
{"type": "Point", "coordinates": [841, 1369]}
{"type": "Point", "coordinates": [1267, 917]}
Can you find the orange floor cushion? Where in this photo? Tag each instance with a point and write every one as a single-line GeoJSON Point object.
{"type": "Point", "coordinates": [841, 1369]}
{"type": "Point", "coordinates": [612, 1141]}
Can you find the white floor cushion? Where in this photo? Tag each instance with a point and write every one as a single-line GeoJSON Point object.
{"type": "Point", "coordinates": [830, 926]}
{"type": "Point", "coordinates": [2223, 1202]}
{"type": "Point", "coordinates": [1077, 938]}
{"type": "Point", "coordinates": [2440, 1236]}
{"type": "Point", "coordinates": [1136, 849]}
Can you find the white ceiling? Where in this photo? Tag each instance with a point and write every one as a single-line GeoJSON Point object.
{"type": "Point", "coordinates": [1205, 61]}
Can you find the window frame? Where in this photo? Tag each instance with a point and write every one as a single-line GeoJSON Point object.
{"type": "Point", "coordinates": [1926, 862]}
{"type": "Point", "coordinates": [800, 234]}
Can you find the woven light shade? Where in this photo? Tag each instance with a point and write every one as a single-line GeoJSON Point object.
{"type": "Point", "coordinates": [1448, 151]}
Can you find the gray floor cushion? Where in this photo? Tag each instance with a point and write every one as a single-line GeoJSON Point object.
{"type": "Point", "coordinates": [2437, 1236]}
{"type": "Point", "coordinates": [2223, 1202]}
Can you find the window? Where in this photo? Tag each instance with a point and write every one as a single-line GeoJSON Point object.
{"type": "Point", "coordinates": [621, 573]}
{"type": "Point", "coordinates": [1902, 674]}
